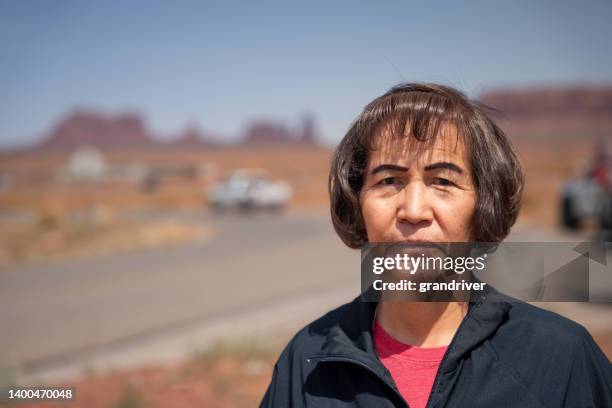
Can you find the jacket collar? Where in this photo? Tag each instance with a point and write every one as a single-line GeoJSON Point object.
{"type": "Point", "coordinates": [351, 338]}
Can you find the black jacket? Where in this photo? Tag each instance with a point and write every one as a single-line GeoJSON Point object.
{"type": "Point", "coordinates": [506, 353]}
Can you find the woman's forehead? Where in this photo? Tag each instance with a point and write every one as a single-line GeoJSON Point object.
{"type": "Point", "coordinates": [405, 149]}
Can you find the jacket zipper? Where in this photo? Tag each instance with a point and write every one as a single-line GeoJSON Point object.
{"type": "Point", "coordinates": [436, 383]}
{"type": "Point", "coordinates": [361, 364]}
{"type": "Point", "coordinates": [367, 367]}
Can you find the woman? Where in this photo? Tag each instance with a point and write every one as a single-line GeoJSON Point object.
{"type": "Point", "coordinates": [422, 163]}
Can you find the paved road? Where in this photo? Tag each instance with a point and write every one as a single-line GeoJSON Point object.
{"type": "Point", "coordinates": [53, 312]}
{"type": "Point", "coordinates": [292, 266]}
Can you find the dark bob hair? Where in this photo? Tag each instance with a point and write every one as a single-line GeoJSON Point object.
{"type": "Point", "coordinates": [420, 111]}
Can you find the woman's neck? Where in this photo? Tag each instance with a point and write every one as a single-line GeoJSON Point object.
{"type": "Point", "coordinates": [421, 324]}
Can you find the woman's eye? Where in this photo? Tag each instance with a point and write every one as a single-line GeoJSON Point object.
{"type": "Point", "coordinates": [443, 182]}
{"type": "Point", "coordinates": [388, 181]}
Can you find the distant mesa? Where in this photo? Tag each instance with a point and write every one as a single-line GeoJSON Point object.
{"type": "Point", "coordinates": [309, 130]}
{"type": "Point", "coordinates": [561, 113]}
{"type": "Point", "coordinates": [594, 102]}
{"type": "Point", "coordinates": [577, 113]}
{"type": "Point", "coordinates": [93, 129]}
{"type": "Point", "coordinates": [128, 130]}
{"type": "Point", "coordinates": [194, 138]}
{"type": "Point", "coordinates": [268, 132]}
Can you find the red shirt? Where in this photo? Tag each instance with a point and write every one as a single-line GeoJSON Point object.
{"type": "Point", "coordinates": [413, 368]}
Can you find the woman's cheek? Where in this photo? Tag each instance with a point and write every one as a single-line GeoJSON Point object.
{"type": "Point", "coordinates": [454, 219]}
{"type": "Point", "coordinates": [379, 217]}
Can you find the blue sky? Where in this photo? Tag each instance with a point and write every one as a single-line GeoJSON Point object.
{"type": "Point", "coordinates": [219, 64]}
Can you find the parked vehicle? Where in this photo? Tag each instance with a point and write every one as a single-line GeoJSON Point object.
{"type": "Point", "coordinates": [582, 199]}
{"type": "Point", "coordinates": [590, 195]}
{"type": "Point", "coordinates": [249, 189]}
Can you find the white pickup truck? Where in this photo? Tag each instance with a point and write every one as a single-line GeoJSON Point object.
{"type": "Point", "coordinates": [249, 189]}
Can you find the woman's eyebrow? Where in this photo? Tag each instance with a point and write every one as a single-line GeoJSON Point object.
{"type": "Point", "coordinates": [444, 165]}
{"type": "Point", "coordinates": [429, 167]}
{"type": "Point", "coordinates": [384, 167]}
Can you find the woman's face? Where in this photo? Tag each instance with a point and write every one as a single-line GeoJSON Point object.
{"type": "Point", "coordinates": [427, 195]}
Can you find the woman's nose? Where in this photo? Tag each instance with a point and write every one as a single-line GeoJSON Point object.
{"type": "Point", "coordinates": [414, 204]}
